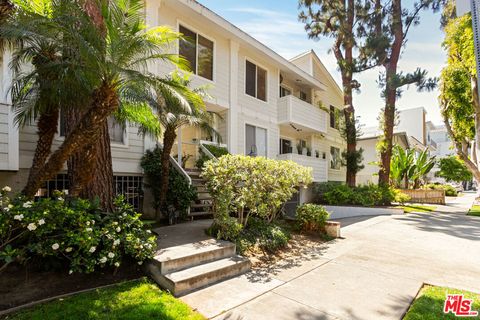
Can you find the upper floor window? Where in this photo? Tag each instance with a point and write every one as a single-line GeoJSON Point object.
{"type": "Point", "coordinates": [335, 158]}
{"type": "Point", "coordinates": [334, 118]}
{"type": "Point", "coordinates": [255, 81]}
{"type": "Point", "coordinates": [303, 96]}
{"type": "Point", "coordinates": [285, 146]}
{"type": "Point", "coordinates": [198, 51]}
{"type": "Point", "coordinates": [284, 92]}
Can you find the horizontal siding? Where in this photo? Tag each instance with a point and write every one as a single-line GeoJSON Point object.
{"type": "Point", "coordinates": [319, 166]}
{"type": "Point", "coordinates": [294, 110]}
{"type": "Point", "coordinates": [4, 136]}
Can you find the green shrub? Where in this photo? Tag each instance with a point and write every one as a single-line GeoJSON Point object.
{"type": "Point", "coordinates": [311, 217]}
{"type": "Point", "coordinates": [217, 151]}
{"type": "Point", "coordinates": [268, 237]}
{"type": "Point", "coordinates": [226, 228]}
{"type": "Point", "coordinates": [74, 233]}
{"type": "Point", "coordinates": [450, 191]}
{"type": "Point", "coordinates": [319, 189]}
{"type": "Point", "coordinates": [179, 195]}
{"type": "Point", "coordinates": [258, 184]}
{"type": "Point", "coordinates": [367, 195]}
{"type": "Point", "coordinates": [341, 194]}
{"type": "Point", "coordinates": [401, 197]}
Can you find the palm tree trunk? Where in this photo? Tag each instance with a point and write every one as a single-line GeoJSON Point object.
{"type": "Point", "coordinates": [168, 140]}
{"type": "Point", "coordinates": [100, 186]}
{"type": "Point", "coordinates": [86, 132]}
{"type": "Point", "coordinates": [47, 128]}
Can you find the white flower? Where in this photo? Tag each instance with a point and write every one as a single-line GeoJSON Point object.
{"type": "Point", "coordinates": [117, 264]}
{"type": "Point", "coordinates": [70, 271]}
{"type": "Point", "coordinates": [148, 231]}
{"type": "Point", "coordinates": [89, 229]}
{"type": "Point", "coordinates": [27, 204]}
{"type": "Point", "coordinates": [92, 249]}
{"type": "Point", "coordinates": [118, 229]}
{"type": "Point", "coordinates": [103, 259]}
{"type": "Point", "coordinates": [6, 189]}
{"type": "Point", "coordinates": [10, 206]}
{"type": "Point", "coordinates": [140, 263]}
{"type": "Point", "coordinates": [88, 223]}
{"type": "Point", "coordinates": [6, 209]}
{"type": "Point", "coordinates": [31, 226]}
{"type": "Point", "coordinates": [18, 217]}
{"type": "Point", "coordinates": [93, 221]}
{"type": "Point", "coordinates": [115, 223]}
{"type": "Point", "coordinates": [60, 199]}
{"type": "Point", "coordinates": [111, 255]}
{"type": "Point", "coordinates": [41, 221]}
{"type": "Point", "coordinates": [69, 249]}
{"type": "Point", "coordinates": [55, 246]}
{"type": "Point", "coordinates": [116, 242]}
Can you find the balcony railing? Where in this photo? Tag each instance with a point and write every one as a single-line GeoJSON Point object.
{"type": "Point", "coordinates": [318, 165]}
{"type": "Point", "coordinates": [303, 115]}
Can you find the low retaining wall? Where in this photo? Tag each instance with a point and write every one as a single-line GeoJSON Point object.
{"type": "Point", "coordinates": [339, 212]}
{"type": "Point", "coordinates": [425, 196]}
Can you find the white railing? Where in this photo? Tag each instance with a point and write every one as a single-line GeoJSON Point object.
{"type": "Point", "coordinates": [318, 165]}
{"type": "Point", "coordinates": [296, 111]}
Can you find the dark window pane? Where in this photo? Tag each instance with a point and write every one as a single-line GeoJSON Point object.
{"type": "Point", "coordinates": [261, 84]}
{"type": "Point", "coordinates": [250, 146]}
{"type": "Point", "coordinates": [303, 96]}
{"type": "Point", "coordinates": [188, 47]}
{"type": "Point", "coordinates": [332, 117]}
{"type": "Point", "coordinates": [250, 79]}
{"type": "Point", "coordinates": [205, 58]}
{"type": "Point", "coordinates": [284, 92]}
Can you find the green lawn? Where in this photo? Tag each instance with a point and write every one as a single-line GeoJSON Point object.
{"type": "Point", "coordinates": [133, 300]}
{"type": "Point", "coordinates": [430, 301]}
{"type": "Point", "coordinates": [474, 211]}
{"type": "Point", "coordinates": [417, 208]}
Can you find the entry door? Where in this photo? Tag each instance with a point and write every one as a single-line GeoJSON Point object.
{"type": "Point", "coordinates": [255, 141]}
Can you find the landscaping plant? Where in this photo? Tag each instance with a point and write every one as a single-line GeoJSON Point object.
{"type": "Point", "coordinates": [179, 193]}
{"type": "Point", "coordinates": [450, 191]}
{"type": "Point", "coordinates": [253, 186]}
{"type": "Point", "coordinates": [311, 217]}
{"type": "Point", "coordinates": [74, 232]}
{"type": "Point", "coordinates": [367, 195]}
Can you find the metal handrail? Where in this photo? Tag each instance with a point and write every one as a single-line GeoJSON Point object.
{"type": "Point", "coordinates": [207, 152]}
{"type": "Point", "coordinates": [180, 170]}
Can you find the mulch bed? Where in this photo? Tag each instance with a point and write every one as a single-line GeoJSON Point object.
{"type": "Point", "coordinates": [20, 285]}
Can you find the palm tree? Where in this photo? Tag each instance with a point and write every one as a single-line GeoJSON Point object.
{"type": "Point", "coordinates": [408, 166]}
{"type": "Point", "coordinates": [115, 67]}
{"type": "Point", "coordinates": [423, 165]}
{"type": "Point", "coordinates": [175, 111]}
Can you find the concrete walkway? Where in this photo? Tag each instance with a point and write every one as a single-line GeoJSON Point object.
{"type": "Point", "coordinates": [374, 273]}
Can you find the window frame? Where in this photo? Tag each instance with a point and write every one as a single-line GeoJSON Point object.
{"type": "Point", "coordinates": [336, 121]}
{"type": "Point", "coordinates": [339, 159]}
{"type": "Point", "coordinates": [214, 56]}
{"type": "Point", "coordinates": [252, 124]}
{"type": "Point", "coordinates": [284, 87]}
{"type": "Point", "coordinates": [280, 147]}
{"type": "Point", "coordinates": [257, 65]}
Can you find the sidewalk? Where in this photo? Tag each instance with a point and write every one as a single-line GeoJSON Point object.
{"type": "Point", "coordinates": [374, 273]}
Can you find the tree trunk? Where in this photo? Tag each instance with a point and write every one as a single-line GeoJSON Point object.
{"type": "Point", "coordinates": [47, 128]}
{"type": "Point", "coordinates": [390, 66]}
{"type": "Point", "coordinates": [168, 140]}
{"type": "Point", "coordinates": [101, 184]}
{"type": "Point", "coordinates": [105, 102]}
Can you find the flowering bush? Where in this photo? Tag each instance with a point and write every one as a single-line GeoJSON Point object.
{"type": "Point", "coordinates": [75, 232]}
{"type": "Point", "coordinates": [262, 185]}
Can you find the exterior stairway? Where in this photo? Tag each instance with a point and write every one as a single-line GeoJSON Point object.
{"type": "Point", "coordinates": [185, 268]}
{"type": "Point", "coordinates": [203, 205]}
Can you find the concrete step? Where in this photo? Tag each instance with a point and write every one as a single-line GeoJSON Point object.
{"type": "Point", "coordinates": [185, 281]}
{"type": "Point", "coordinates": [199, 213]}
{"type": "Point", "coordinates": [192, 254]}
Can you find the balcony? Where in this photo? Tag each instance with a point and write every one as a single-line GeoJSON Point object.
{"type": "Point", "coordinates": [318, 165]}
{"type": "Point", "coordinates": [301, 115]}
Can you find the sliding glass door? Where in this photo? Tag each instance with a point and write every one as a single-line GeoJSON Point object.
{"type": "Point", "coordinates": [255, 141]}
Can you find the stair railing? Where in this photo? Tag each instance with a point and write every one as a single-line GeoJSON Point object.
{"type": "Point", "coordinates": [207, 152]}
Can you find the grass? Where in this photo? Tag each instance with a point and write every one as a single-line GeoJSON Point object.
{"type": "Point", "coordinates": [408, 208]}
{"type": "Point", "coordinates": [133, 300]}
{"type": "Point", "coordinates": [474, 211]}
{"type": "Point", "coordinates": [429, 304]}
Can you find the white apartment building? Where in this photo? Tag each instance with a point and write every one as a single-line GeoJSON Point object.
{"type": "Point", "coordinates": [268, 105]}
{"type": "Point", "coordinates": [411, 131]}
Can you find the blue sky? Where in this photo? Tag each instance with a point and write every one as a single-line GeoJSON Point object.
{"type": "Point", "coordinates": [274, 23]}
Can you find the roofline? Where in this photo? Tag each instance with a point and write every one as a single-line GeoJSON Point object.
{"type": "Point", "coordinates": [301, 55]}
{"type": "Point", "coordinates": [237, 32]}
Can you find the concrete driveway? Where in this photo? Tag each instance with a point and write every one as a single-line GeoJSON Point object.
{"type": "Point", "coordinates": [373, 273]}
